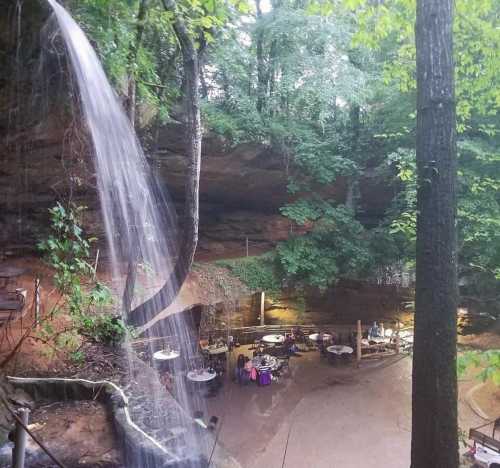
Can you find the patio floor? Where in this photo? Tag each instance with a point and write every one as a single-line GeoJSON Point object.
{"type": "Point", "coordinates": [319, 415]}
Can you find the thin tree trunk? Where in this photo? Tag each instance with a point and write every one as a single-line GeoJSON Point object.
{"type": "Point", "coordinates": [163, 298]}
{"type": "Point", "coordinates": [434, 401]}
{"type": "Point", "coordinates": [350, 201]}
{"type": "Point", "coordinates": [132, 58]}
{"type": "Point", "coordinates": [261, 67]}
{"type": "Point", "coordinates": [128, 293]}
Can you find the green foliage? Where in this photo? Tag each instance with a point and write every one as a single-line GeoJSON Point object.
{"type": "Point", "coordinates": [337, 246]}
{"type": "Point", "coordinates": [105, 329]}
{"type": "Point", "coordinates": [260, 273]}
{"type": "Point", "coordinates": [239, 125]}
{"type": "Point", "coordinates": [478, 215]}
{"type": "Point", "coordinates": [476, 44]}
{"type": "Point", "coordinates": [322, 61]}
{"type": "Point", "coordinates": [487, 361]}
{"type": "Point", "coordinates": [67, 251]}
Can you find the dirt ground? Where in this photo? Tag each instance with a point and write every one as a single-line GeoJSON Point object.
{"type": "Point", "coordinates": [77, 433]}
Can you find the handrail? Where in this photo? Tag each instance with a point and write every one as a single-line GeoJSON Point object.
{"type": "Point", "coordinates": [21, 423]}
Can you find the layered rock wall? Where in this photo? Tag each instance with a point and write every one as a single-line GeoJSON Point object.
{"type": "Point", "coordinates": [44, 157]}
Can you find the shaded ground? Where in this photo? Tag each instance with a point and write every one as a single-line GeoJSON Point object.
{"type": "Point", "coordinates": [325, 417]}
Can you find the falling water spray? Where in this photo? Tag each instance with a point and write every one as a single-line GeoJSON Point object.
{"type": "Point", "coordinates": [138, 219]}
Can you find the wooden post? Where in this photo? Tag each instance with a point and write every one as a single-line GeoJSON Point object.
{"type": "Point", "coordinates": [262, 304]}
{"type": "Point", "coordinates": [96, 263]}
{"type": "Point", "coordinates": [398, 329]}
{"type": "Point", "coordinates": [246, 243]}
{"type": "Point", "coordinates": [359, 336]}
{"type": "Point", "coordinates": [37, 301]}
{"type": "Point", "coordinates": [21, 436]}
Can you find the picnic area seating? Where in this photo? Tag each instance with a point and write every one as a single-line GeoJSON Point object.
{"type": "Point", "coordinates": [12, 305]}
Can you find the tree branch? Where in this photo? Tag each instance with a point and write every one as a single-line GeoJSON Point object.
{"type": "Point", "coordinates": [165, 296]}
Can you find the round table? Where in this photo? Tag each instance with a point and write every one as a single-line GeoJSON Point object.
{"type": "Point", "coordinates": [214, 349]}
{"type": "Point", "coordinates": [164, 355]}
{"type": "Point", "coordinates": [275, 339]}
{"type": "Point", "coordinates": [271, 362]}
{"type": "Point", "coordinates": [340, 349]}
{"type": "Point", "coordinates": [315, 337]}
{"type": "Point", "coordinates": [203, 376]}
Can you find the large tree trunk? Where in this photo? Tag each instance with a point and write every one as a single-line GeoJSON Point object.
{"type": "Point", "coordinates": [434, 419]}
{"type": "Point", "coordinates": [165, 296]}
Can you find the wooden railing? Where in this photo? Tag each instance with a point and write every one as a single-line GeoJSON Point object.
{"type": "Point", "coordinates": [487, 441]}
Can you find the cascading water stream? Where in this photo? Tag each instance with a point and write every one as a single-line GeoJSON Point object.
{"type": "Point", "coordinates": [139, 225]}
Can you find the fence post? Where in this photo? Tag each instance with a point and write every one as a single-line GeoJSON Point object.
{"type": "Point", "coordinates": [37, 301]}
{"type": "Point", "coordinates": [21, 436]}
{"type": "Point", "coordinates": [398, 342]}
{"type": "Point", "coordinates": [262, 307]}
{"type": "Point", "coordinates": [358, 342]}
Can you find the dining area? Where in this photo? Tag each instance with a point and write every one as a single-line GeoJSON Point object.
{"type": "Point", "coordinates": [197, 367]}
{"type": "Point", "coordinates": [267, 357]}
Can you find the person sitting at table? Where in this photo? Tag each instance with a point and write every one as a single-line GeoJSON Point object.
{"type": "Point", "coordinates": [203, 343]}
{"type": "Point", "coordinates": [240, 365]}
{"type": "Point", "coordinates": [246, 372]}
{"type": "Point", "coordinates": [289, 345]}
{"type": "Point", "coordinates": [248, 364]}
{"type": "Point", "coordinates": [297, 334]}
{"type": "Point", "coordinates": [259, 351]}
{"type": "Point", "coordinates": [374, 331]}
{"type": "Point", "coordinates": [322, 348]}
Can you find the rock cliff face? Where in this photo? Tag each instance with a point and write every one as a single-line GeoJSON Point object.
{"type": "Point", "coordinates": [44, 157]}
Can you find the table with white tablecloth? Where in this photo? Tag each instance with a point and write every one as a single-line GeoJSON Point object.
{"type": "Point", "coordinates": [201, 375]}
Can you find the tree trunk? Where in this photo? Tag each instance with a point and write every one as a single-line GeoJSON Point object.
{"type": "Point", "coordinates": [261, 67]}
{"type": "Point", "coordinates": [132, 58]}
{"type": "Point", "coordinates": [165, 296]}
{"type": "Point", "coordinates": [350, 201]}
{"type": "Point", "coordinates": [434, 401]}
{"type": "Point", "coordinates": [201, 64]}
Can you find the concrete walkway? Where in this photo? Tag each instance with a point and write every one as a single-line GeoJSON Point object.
{"type": "Point", "coordinates": [321, 416]}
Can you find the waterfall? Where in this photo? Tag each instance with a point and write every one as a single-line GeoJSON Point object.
{"type": "Point", "coordinates": [139, 221]}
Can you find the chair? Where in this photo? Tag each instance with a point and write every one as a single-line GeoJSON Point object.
{"type": "Point", "coordinates": [277, 351]}
{"type": "Point", "coordinates": [12, 305]}
{"type": "Point", "coordinates": [255, 344]}
{"type": "Point", "coordinates": [310, 345]}
{"type": "Point", "coordinates": [332, 359]}
{"type": "Point", "coordinates": [212, 423]}
{"type": "Point", "coordinates": [284, 362]}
